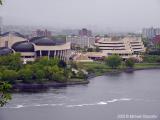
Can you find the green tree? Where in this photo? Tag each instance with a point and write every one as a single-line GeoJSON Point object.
{"type": "Point", "coordinates": [81, 75]}
{"type": "Point", "coordinates": [62, 64]}
{"type": "Point", "coordinates": [25, 75]}
{"type": "Point", "coordinates": [12, 61]}
{"type": "Point", "coordinates": [74, 65]}
{"type": "Point", "coordinates": [9, 76]}
{"type": "Point", "coordinates": [130, 62]}
{"type": "Point", "coordinates": [39, 75]}
{"type": "Point", "coordinates": [5, 96]}
{"type": "Point", "coordinates": [48, 62]}
{"type": "Point", "coordinates": [67, 73]}
{"type": "Point", "coordinates": [113, 61]}
{"type": "Point", "coordinates": [4, 87]}
{"type": "Point", "coordinates": [15, 61]}
{"type": "Point", "coordinates": [50, 72]}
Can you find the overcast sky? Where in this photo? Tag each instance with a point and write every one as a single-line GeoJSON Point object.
{"type": "Point", "coordinates": [120, 15]}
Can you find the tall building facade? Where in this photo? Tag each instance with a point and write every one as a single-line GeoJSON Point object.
{"type": "Point", "coordinates": [85, 32]}
{"type": "Point", "coordinates": [80, 41]}
{"type": "Point", "coordinates": [156, 41]}
{"type": "Point", "coordinates": [150, 33]}
{"type": "Point", "coordinates": [42, 33]}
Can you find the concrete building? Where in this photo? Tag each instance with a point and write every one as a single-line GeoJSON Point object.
{"type": "Point", "coordinates": [34, 48]}
{"type": "Point", "coordinates": [125, 47]}
{"type": "Point", "coordinates": [80, 41]}
{"type": "Point", "coordinates": [156, 41]}
{"type": "Point", "coordinates": [157, 31]}
{"type": "Point", "coordinates": [42, 33]}
{"type": "Point", "coordinates": [85, 32]}
{"type": "Point", "coordinates": [9, 38]}
{"type": "Point", "coordinates": [150, 33]}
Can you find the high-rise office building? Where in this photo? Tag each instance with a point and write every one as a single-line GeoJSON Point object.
{"type": "Point", "coordinates": [42, 33]}
{"type": "Point", "coordinates": [81, 41]}
{"type": "Point", "coordinates": [150, 32]}
{"type": "Point", "coordinates": [85, 32]}
{"type": "Point", "coordinates": [157, 31]}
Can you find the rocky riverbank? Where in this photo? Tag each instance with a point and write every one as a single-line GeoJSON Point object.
{"type": "Point", "coordinates": [24, 87]}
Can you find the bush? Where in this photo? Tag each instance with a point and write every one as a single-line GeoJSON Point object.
{"type": "Point", "coordinates": [25, 75]}
{"type": "Point", "coordinates": [74, 65]}
{"type": "Point", "coordinates": [59, 78]}
{"type": "Point", "coordinates": [10, 76]}
{"type": "Point", "coordinates": [4, 93]}
{"type": "Point", "coordinates": [39, 75]}
{"type": "Point", "coordinates": [113, 61]}
{"type": "Point", "coordinates": [81, 75]}
{"type": "Point", "coordinates": [62, 64]}
{"type": "Point", "coordinates": [151, 58]}
{"type": "Point", "coordinates": [130, 62]}
{"type": "Point", "coordinates": [51, 71]}
{"type": "Point", "coordinates": [12, 61]}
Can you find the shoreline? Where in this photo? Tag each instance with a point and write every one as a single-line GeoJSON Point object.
{"type": "Point", "coordinates": [121, 71]}
{"type": "Point", "coordinates": [38, 87]}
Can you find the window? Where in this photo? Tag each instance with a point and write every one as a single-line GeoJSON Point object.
{"type": "Point", "coordinates": [6, 43]}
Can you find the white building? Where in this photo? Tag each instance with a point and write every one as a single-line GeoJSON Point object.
{"type": "Point", "coordinates": [81, 41]}
{"type": "Point", "coordinates": [13, 42]}
{"type": "Point", "coordinates": [125, 47]}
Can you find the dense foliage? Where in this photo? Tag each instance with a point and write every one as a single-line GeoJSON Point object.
{"type": "Point", "coordinates": [4, 94]}
{"type": "Point", "coordinates": [130, 62]}
{"type": "Point", "coordinates": [113, 61]}
{"type": "Point", "coordinates": [151, 58]}
{"type": "Point", "coordinates": [42, 70]}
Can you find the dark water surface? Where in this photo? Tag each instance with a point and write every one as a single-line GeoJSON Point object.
{"type": "Point", "coordinates": [120, 96]}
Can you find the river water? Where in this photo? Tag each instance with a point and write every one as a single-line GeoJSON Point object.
{"type": "Point", "coordinates": [121, 96]}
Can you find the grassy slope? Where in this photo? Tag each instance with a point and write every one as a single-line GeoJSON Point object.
{"type": "Point", "coordinates": [101, 68]}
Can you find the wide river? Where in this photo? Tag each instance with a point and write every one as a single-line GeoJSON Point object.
{"type": "Point", "coordinates": [110, 97]}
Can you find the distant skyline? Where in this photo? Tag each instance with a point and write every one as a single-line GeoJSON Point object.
{"type": "Point", "coordinates": [111, 15]}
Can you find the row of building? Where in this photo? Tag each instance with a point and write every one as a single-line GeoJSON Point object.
{"type": "Point", "coordinates": [125, 47]}
{"type": "Point", "coordinates": [150, 33]}
{"type": "Point", "coordinates": [34, 48]}
{"type": "Point", "coordinates": [153, 37]}
{"type": "Point", "coordinates": [80, 41]}
{"type": "Point", "coordinates": [44, 45]}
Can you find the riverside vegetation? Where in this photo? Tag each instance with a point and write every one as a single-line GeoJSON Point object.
{"type": "Point", "coordinates": [115, 64]}
{"type": "Point", "coordinates": [43, 70]}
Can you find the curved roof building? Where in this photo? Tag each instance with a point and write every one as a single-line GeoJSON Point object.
{"type": "Point", "coordinates": [24, 46]}
{"type": "Point", "coordinates": [34, 48]}
{"type": "Point", "coordinates": [12, 33]}
{"type": "Point", "coordinates": [5, 51]}
{"type": "Point", "coordinates": [43, 41]}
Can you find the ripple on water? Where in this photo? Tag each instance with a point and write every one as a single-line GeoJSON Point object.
{"type": "Point", "coordinates": [68, 105]}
